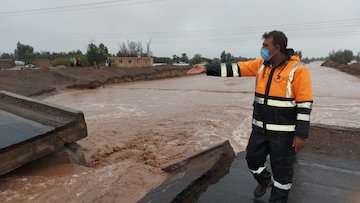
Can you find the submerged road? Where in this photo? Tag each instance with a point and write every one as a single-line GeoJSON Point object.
{"type": "Point", "coordinates": [135, 128]}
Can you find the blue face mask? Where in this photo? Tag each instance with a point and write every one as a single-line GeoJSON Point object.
{"type": "Point", "coordinates": [265, 54]}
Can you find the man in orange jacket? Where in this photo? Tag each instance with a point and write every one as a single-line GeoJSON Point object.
{"type": "Point", "coordinates": [281, 117]}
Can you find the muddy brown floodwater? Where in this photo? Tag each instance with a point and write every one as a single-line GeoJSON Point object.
{"type": "Point", "coordinates": [135, 128]}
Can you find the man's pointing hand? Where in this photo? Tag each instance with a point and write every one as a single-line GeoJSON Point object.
{"type": "Point", "coordinates": [197, 69]}
{"type": "Point", "coordinates": [298, 143]}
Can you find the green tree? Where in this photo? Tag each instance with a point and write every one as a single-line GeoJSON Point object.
{"type": "Point", "coordinates": [197, 59]}
{"type": "Point", "coordinates": [103, 53]}
{"type": "Point", "coordinates": [24, 52]}
{"type": "Point", "coordinates": [215, 61]}
{"type": "Point", "coordinates": [184, 58]}
{"type": "Point", "coordinates": [226, 57]}
{"type": "Point", "coordinates": [97, 55]}
{"type": "Point", "coordinates": [6, 56]}
{"type": "Point", "coordinates": [229, 58]}
{"type": "Point", "coordinates": [223, 57]}
{"type": "Point", "coordinates": [299, 53]}
{"type": "Point", "coordinates": [176, 59]}
{"type": "Point", "coordinates": [341, 56]}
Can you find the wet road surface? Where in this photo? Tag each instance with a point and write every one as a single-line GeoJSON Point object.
{"type": "Point", "coordinates": [317, 179]}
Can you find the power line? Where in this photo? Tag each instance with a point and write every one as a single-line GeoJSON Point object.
{"type": "Point", "coordinates": [76, 7]}
{"type": "Point", "coordinates": [61, 7]}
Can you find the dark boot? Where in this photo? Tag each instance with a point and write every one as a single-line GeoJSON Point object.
{"type": "Point", "coordinates": [260, 190]}
{"type": "Point", "coordinates": [278, 195]}
{"type": "Point", "coordinates": [264, 182]}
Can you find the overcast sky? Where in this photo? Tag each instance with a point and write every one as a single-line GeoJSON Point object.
{"type": "Point", "coordinates": [177, 26]}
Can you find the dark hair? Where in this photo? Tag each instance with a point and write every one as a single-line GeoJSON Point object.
{"type": "Point", "coordinates": [279, 38]}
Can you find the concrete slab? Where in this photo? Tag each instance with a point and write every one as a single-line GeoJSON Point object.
{"type": "Point", "coordinates": [15, 129]}
{"type": "Point", "coordinates": [31, 129]}
{"type": "Point", "coordinates": [185, 176]}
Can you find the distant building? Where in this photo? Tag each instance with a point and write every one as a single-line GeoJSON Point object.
{"type": "Point", "coordinates": [353, 61]}
{"type": "Point", "coordinates": [131, 62]}
{"type": "Point", "coordinates": [7, 63]}
{"type": "Point", "coordinates": [181, 64]}
{"type": "Point", "coordinates": [41, 63]}
{"type": "Point", "coordinates": [19, 63]}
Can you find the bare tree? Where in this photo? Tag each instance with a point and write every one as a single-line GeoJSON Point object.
{"type": "Point", "coordinates": [132, 46]}
{"type": "Point", "coordinates": [139, 49]}
{"type": "Point", "coordinates": [148, 48]}
{"type": "Point", "coordinates": [134, 49]}
{"type": "Point", "coordinates": [123, 51]}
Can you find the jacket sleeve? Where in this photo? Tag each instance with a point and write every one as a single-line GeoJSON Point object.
{"type": "Point", "coordinates": [250, 68]}
{"type": "Point", "coordinates": [245, 68]}
{"type": "Point", "coordinates": [302, 88]}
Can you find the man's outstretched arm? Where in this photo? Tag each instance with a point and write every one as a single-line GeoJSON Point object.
{"type": "Point", "coordinates": [240, 69]}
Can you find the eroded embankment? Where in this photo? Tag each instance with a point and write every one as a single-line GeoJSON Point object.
{"type": "Point", "coordinates": [352, 69]}
{"type": "Point", "coordinates": [38, 82]}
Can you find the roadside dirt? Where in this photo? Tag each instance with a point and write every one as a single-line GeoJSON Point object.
{"type": "Point", "coordinates": [353, 69]}
{"type": "Point", "coordinates": [334, 141]}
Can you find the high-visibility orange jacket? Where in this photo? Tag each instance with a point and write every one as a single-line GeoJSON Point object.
{"type": "Point", "coordinates": [283, 94]}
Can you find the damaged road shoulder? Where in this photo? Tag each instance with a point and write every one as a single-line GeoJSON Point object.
{"type": "Point", "coordinates": [190, 177]}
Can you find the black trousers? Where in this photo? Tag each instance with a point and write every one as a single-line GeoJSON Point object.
{"type": "Point", "coordinates": [282, 158]}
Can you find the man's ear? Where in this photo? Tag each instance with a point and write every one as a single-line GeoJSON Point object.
{"type": "Point", "coordinates": [277, 47]}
